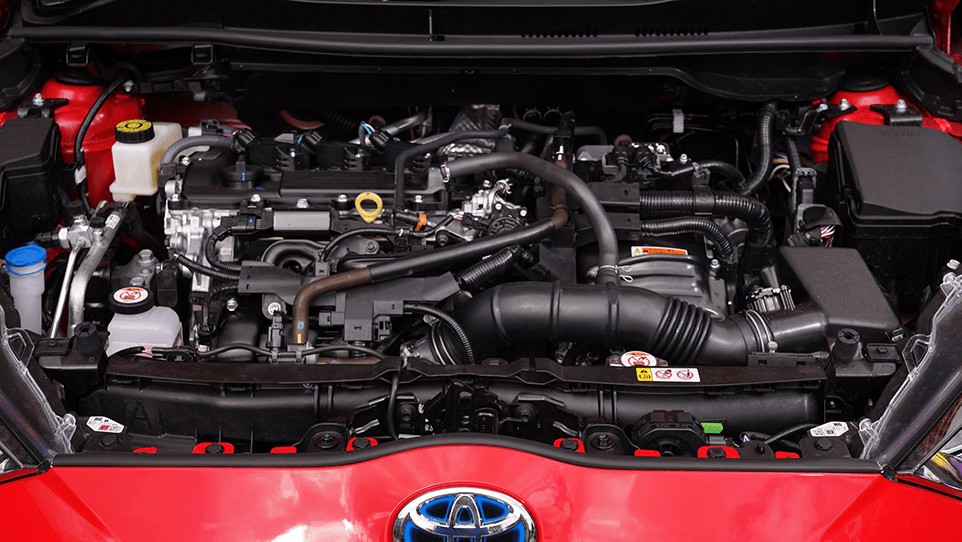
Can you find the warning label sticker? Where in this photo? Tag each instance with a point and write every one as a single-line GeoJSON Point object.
{"type": "Point", "coordinates": [637, 358]}
{"type": "Point", "coordinates": [102, 424]}
{"type": "Point", "coordinates": [675, 375]}
{"type": "Point", "coordinates": [830, 429]}
{"type": "Point", "coordinates": [641, 251]}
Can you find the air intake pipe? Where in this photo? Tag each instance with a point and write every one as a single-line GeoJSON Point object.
{"type": "Point", "coordinates": [526, 312]}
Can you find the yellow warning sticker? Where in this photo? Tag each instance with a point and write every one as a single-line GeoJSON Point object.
{"type": "Point", "coordinates": [643, 374]}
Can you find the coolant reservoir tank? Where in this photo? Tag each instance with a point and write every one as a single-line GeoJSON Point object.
{"type": "Point", "coordinates": [137, 153]}
{"type": "Point", "coordinates": [137, 322]}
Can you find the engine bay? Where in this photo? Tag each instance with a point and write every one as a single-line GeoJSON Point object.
{"type": "Point", "coordinates": [696, 276]}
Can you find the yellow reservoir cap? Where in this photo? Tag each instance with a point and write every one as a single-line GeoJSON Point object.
{"type": "Point", "coordinates": [368, 215]}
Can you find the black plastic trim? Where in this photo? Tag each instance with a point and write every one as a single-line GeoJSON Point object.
{"type": "Point", "coordinates": [335, 459]}
{"type": "Point", "coordinates": [495, 46]}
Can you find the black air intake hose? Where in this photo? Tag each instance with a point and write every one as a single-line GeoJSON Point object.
{"type": "Point", "coordinates": [531, 312]}
{"type": "Point", "coordinates": [705, 202]}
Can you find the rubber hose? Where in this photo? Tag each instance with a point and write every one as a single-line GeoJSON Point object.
{"type": "Point", "coordinates": [714, 166]}
{"type": "Point", "coordinates": [88, 119]}
{"type": "Point", "coordinates": [794, 159]}
{"type": "Point", "coordinates": [542, 129]}
{"type": "Point", "coordinates": [788, 432]}
{"type": "Point", "coordinates": [179, 146]}
{"type": "Point", "coordinates": [703, 226]}
{"type": "Point", "coordinates": [204, 270]}
{"type": "Point", "coordinates": [763, 170]}
{"type": "Point", "coordinates": [447, 320]}
{"type": "Point", "coordinates": [415, 263]}
{"type": "Point", "coordinates": [489, 268]}
{"type": "Point", "coordinates": [452, 137]}
{"type": "Point", "coordinates": [571, 183]}
{"type": "Point", "coordinates": [704, 201]}
{"type": "Point", "coordinates": [531, 313]}
{"type": "Point", "coordinates": [370, 230]}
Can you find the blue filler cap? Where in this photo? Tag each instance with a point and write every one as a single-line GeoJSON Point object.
{"type": "Point", "coordinates": [26, 256]}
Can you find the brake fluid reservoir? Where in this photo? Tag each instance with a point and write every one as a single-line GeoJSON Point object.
{"type": "Point", "coordinates": [137, 153]}
{"type": "Point", "coordinates": [137, 322]}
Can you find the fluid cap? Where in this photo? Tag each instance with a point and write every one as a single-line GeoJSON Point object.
{"type": "Point", "coordinates": [131, 300]}
{"type": "Point", "coordinates": [24, 260]}
{"type": "Point", "coordinates": [134, 131]}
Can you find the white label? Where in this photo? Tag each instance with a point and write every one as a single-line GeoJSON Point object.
{"type": "Point", "coordinates": [102, 424]}
{"type": "Point", "coordinates": [665, 374]}
{"type": "Point", "coordinates": [830, 429]}
{"type": "Point", "coordinates": [112, 221]}
{"type": "Point", "coordinates": [637, 358]}
{"type": "Point", "coordinates": [129, 295]}
{"type": "Point", "coordinates": [662, 251]}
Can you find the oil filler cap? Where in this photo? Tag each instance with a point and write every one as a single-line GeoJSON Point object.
{"type": "Point", "coordinates": [131, 300]}
{"type": "Point", "coordinates": [134, 131]}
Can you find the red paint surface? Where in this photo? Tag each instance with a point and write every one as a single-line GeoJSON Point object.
{"type": "Point", "coordinates": [100, 137]}
{"type": "Point", "coordinates": [359, 501]}
{"type": "Point", "coordinates": [862, 113]}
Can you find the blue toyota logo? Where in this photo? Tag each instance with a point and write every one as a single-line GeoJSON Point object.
{"type": "Point", "coordinates": [464, 514]}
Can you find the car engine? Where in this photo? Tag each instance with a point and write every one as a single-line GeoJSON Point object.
{"type": "Point", "coordinates": [691, 275]}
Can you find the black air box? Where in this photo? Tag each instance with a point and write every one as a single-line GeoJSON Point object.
{"type": "Point", "coordinates": [898, 190]}
{"type": "Point", "coordinates": [29, 202]}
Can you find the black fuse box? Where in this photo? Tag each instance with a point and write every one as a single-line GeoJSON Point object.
{"type": "Point", "coordinates": [29, 183]}
{"type": "Point", "coordinates": [898, 191]}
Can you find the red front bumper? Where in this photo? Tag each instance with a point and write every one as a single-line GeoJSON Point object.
{"type": "Point", "coordinates": [359, 501]}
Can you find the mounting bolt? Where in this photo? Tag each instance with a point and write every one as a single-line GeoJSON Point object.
{"type": "Point", "coordinates": [714, 264]}
{"type": "Point", "coordinates": [342, 198]}
{"type": "Point", "coordinates": [37, 99]}
{"type": "Point", "coordinates": [523, 213]}
{"type": "Point", "coordinates": [371, 246]}
{"type": "Point", "coordinates": [824, 445]}
{"type": "Point", "coordinates": [273, 307]}
{"type": "Point", "coordinates": [185, 161]}
{"type": "Point", "coordinates": [717, 453]}
{"type": "Point", "coordinates": [498, 206]}
{"type": "Point", "coordinates": [255, 198]}
{"type": "Point", "coordinates": [302, 203]}
{"type": "Point", "coordinates": [683, 159]}
{"type": "Point", "coordinates": [418, 198]}
{"type": "Point", "coordinates": [486, 184]}
{"type": "Point", "coordinates": [844, 105]}
{"type": "Point", "coordinates": [952, 264]}
{"type": "Point", "coordinates": [900, 106]}
{"type": "Point", "coordinates": [232, 304]}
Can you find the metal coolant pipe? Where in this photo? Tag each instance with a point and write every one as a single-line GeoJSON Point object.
{"type": "Point", "coordinates": [98, 247]}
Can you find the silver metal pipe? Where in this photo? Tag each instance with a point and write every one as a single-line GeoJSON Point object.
{"type": "Point", "coordinates": [98, 247]}
{"type": "Point", "coordinates": [64, 288]}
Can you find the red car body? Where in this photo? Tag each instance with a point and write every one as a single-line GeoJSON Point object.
{"type": "Point", "coordinates": [359, 501]}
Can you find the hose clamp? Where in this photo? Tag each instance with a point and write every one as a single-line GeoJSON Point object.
{"type": "Point", "coordinates": [765, 339]}
{"type": "Point", "coordinates": [619, 270]}
{"type": "Point", "coordinates": [445, 173]}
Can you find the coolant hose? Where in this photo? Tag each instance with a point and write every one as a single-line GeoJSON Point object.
{"type": "Point", "coordinates": [415, 263]}
{"type": "Point", "coordinates": [542, 129]}
{"type": "Point", "coordinates": [533, 312]}
{"type": "Point", "coordinates": [704, 226]}
{"type": "Point", "coordinates": [562, 178]}
{"type": "Point", "coordinates": [181, 145]}
{"type": "Point", "coordinates": [473, 250]}
{"type": "Point", "coordinates": [705, 202]}
{"type": "Point", "coordinates": [763, 170]}
{"type": "Point", "coordinates": [443, 140]}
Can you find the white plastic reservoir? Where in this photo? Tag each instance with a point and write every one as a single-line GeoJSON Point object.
{"type": "Point", "coordinates": [137, 322]}
{"type": "Point", "coordinates": [25, 266]}
{"type": "Point", "coordinates": [137, 153]}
